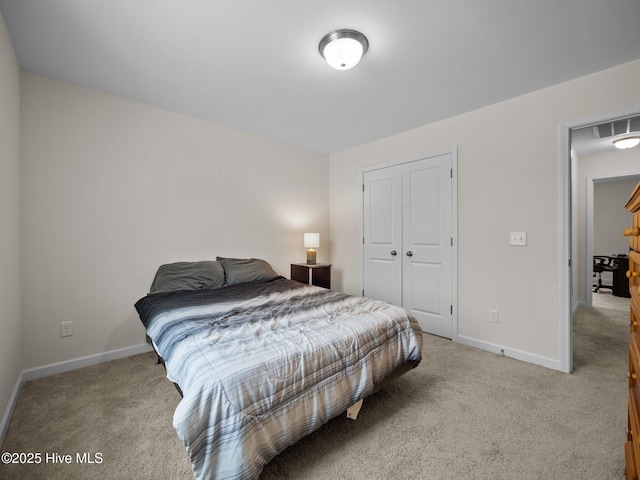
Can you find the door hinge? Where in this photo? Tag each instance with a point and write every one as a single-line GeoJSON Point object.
{"type": "Point", "coordinates": [452, 241]}
{"type": "Point", "coordinates": [451, 172]}
{"type": "Point", "coordinates": [363, 240]}
{"type": "Point", "coordinates": [363, 187]}
{"type": "Point", "coordinates": [451, 309]}
{"type": "Point", "coordinates": [363, 292]}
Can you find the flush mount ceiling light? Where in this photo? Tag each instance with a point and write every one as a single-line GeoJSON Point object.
{"type": "Point", "coordinates": [628, 142]}
{"type": "Point", "coordinates": [343, 49]}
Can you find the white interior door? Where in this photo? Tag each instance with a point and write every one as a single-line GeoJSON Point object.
{"type": "Point", "coordinates": [427, 244]}
{"type": "Point", "coordinates": [383, 235]}
{"type": "Point", "coordinates": [408, 232]}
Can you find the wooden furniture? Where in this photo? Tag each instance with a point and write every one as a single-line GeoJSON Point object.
{"type": "Point", "coordinates": [632, 446]}
{"type": "Point", "coordinates": [318, 274]}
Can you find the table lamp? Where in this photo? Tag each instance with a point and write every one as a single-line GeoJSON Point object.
{"type": "Point", "coordinates": [311, 242]}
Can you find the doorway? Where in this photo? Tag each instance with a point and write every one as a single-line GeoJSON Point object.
{"type": "Point", "coordinates": [623, 185]}
{"type": "Point", "coordinates": [571, 256]}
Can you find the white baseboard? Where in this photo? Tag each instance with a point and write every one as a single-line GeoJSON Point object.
{"type": "Point", "coordinates": [546, 362]}
{"type": "Point", "coordinates": [577, 306]}
{"type": "Point", "coordinates": [61, 367]}
{"type": "Point", "coordinates": [74, 364]}
{"type": "Point", "coordinates": [8, 412]}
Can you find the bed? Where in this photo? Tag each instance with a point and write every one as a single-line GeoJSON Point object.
{"type": "Point", "coordinates": [261, 361]}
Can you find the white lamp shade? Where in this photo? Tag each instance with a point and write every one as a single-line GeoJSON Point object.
{"type": "Point", "coordinates": [343, 49]}
{"type": "Point", "coordinates": [343, 53]}
{"type": "Point", "coordinates": [311, 240]}
{"type": "Point", "coordinates": [629, 142]}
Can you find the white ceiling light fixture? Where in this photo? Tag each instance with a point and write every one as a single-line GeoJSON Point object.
{"type": "Point", "coordinates": [343, 49]}
{"type": "Point", "coordinates": [628, 142]}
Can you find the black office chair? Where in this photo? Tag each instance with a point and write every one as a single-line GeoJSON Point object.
{"type": "Point", "coordinates": [601, 264]}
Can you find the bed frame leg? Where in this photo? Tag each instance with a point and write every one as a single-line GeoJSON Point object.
{"type": "Point", "coordinates": [353, 410]}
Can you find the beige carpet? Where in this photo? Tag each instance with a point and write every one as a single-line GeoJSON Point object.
{"type": "Point", "coordinates": [462, 414]}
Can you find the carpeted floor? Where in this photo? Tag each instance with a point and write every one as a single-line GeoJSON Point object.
{"type": "Point", "coordinates": [462, 414]}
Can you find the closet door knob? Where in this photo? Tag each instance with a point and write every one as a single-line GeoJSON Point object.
{"type": "Point", "coordinates": [409, 253]}
{"type": "Point", "coordinates": [634, 231]}
{"type": "Point", "coordinates": [393, 253]}
{"type": "Point", "coordinates": [632, 274]}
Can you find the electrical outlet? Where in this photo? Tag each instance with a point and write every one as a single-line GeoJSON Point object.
{"type": "Point", "coordinates": [66, 329]}
{"type": "Point", "coordinates": [518, 238]}
{"type": "Point", "coordinates": [493, 316]}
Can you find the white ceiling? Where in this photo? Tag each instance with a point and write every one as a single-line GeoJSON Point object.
{"type": "Point", "coordinates": [254, 64]}
{"type": "Point", "coordinates": [598, 138]}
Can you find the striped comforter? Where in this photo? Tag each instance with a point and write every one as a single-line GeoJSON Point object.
{"type": "Point", "coordinates": [261, 365]}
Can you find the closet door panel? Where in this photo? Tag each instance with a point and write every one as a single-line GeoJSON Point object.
{"type": "Point", "coordinates": [381, 287]}
{"type": "Point", "coordinates": [423, 288]}
{"type": "Point", "coordinates": [427, 278]}
{"type": "Point", "coordinates": [424, 227]}
{"type": "Point", "coordinates": [382, 229]}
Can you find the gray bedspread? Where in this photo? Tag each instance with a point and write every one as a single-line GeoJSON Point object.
{"type": "Point", "coordinates": [263, 364]}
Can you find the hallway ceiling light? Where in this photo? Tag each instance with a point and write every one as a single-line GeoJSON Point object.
{"type": "Point", "coordinates": [343, 49]}
{"type": "Point", "coordinates": [627, 142]}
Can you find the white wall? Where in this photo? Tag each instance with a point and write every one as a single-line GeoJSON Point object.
{"type": "Point", "coordinates": [509, 180]}
{"type": "Point", "coordinates": [610, 217]}
{"type": "Point", "coordinates": [113, 188]}
{"type": "Point", "coordinates": [10, 327]}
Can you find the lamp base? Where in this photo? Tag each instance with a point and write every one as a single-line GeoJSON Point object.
{"type": "Point", "coordinates": [311, 257]}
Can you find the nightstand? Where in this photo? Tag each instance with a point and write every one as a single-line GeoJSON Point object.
{"type": "Point", "coordinates": [319, 274]}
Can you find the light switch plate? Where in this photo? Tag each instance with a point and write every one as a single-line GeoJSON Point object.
{"type": "Point", "coordinates": [518, 238]}
{"type": "Point", "coordinates": [66, 329]}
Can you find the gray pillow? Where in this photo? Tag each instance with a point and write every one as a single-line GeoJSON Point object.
{"type": "Point", "coordinates": [241, 270]}
{"type": "Point", "coordinates": [188, 276]}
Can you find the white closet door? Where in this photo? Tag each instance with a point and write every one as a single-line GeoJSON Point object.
{"type": "Point", "coordinates": [408, 253]}
{"type": "Point", "coordinates": [383, 235]}
{"type": "Point", "coordinates": [427, 250]}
